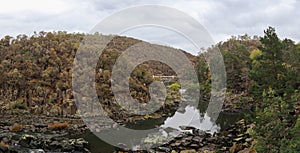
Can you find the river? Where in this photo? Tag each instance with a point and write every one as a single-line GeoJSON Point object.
{"type": "Point", "coordinates": [190, 116]}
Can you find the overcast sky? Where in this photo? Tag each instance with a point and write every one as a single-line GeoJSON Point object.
{"type": "Point", "coordinates": [222, 18]}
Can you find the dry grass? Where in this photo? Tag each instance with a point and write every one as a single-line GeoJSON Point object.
{"type": "Point", "coordinates": [58, 126]}
{"type": "Point", "coordinates": [16, 128]}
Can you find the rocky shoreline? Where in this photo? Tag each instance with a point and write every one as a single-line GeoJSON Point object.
{"type": "Point", "coordinates": [21, 131]}
{"type": "Point", "coordinates": [25, 133]}
{"type": "Point", "coordinates": [235, 139]}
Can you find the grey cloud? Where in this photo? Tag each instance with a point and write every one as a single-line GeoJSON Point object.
{"type": "Point", "coordinates": [239, 17]}
{"type": "Point", "coordinates": [221, 18]}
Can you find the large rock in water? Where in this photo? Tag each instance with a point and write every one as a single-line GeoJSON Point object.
{"type": "Point", "coordinates": [187, 128]}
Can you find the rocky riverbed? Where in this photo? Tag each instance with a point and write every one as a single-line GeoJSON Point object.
{"type": "Point", "coordinates": [234, 139]}
{"type": "Point", "coordinates": [25, 133]}
{"type": "Point", "coordinates": [21, 131]}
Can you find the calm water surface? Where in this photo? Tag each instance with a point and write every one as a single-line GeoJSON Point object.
{"type": "Point", "coordinates": [190, 116]}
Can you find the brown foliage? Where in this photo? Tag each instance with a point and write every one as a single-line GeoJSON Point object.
{"type": "Point", "coordinates": [16, 128]}
{"type": "Point", "coordinates": [2, 144]}
{"type": "Point", "coordinates": [58, 126]}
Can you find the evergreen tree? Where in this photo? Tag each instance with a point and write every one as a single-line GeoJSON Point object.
{"type": "Point", "coordinates": [274, 75]}
{"type": "Point", "coordinates": [276, 126]}
{"type": "Point", "coordinates": [268, 69]}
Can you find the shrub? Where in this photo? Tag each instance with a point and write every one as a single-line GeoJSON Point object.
{"type": "Point", "coordinates": [16, 128]}
{"type": "Point", "coordinates": [58, 126]}
{"type": "Point", "coordinates": [175, 86]}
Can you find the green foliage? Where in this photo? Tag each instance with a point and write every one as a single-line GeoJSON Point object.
{"type": "Point", "coordinates": [275, 129]}
{"type": "Point", "coordinates": [203, 77]}
{"type": "Point", "coordinates": [275, 67]}
{"type": "Point", "coordinates": [268, 70]}
{"type": "Point", "coordinates": [275, 73]}
{"type": "Point", "coordinates": [175, 87]}
{"type": "Point", "coordinates": [52, 101]}
{"type": "Point", "coordinates": [236, 52]}
{"type": "Point", "coordinates": [255, 54]}
{"type": "Point", "coordinates": [293, 145]}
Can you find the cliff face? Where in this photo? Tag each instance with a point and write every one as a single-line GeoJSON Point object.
{"type": "Point", "coordinates": [36, 71]}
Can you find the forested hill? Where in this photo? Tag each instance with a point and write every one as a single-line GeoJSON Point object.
{"type": "Point", "coordinates": [36, 70]}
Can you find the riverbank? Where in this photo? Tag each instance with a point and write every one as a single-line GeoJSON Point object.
{"type": "Point", "coordinates": [234, 139]}
{"type": "Point", "coordinates": [42, 136]}
{"type": "Point", "coordinates": [22, 132]}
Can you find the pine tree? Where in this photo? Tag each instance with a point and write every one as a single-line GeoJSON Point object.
{"type": "Point", "coordinates": [268, 70]}
{"type": "Point", "coordinates": [274, 75]}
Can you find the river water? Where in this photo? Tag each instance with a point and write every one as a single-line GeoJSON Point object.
{"type": "Point", "coordinates": [190, 116]}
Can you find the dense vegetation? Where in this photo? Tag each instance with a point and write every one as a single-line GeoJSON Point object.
{"type": "Point", "coordinates": [275, 73]}
{"type": "Point", "coordinates": [263, 73]}
{"type": "Point", "coordinates": [37, 71]}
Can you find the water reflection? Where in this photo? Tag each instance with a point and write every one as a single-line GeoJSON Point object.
{"type": "Point", "coordinates": [191, 117]}
{"type": "Point", "coordinates": [187, 116]}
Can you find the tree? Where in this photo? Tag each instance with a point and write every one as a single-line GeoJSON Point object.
{"type": "Point", "coordinates": [204, 75]}
{"type": "Point", "coordinates": [274, 74]}
{"type": "Point", "coordinates": [268, 69]}
{"type": "Point", "coordinates": [274, 124]}
{"type": "Point", "coordinates": [291, 57]}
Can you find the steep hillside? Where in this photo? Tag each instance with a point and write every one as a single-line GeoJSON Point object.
{"type": "Point", "coordinates": [37, 70]}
